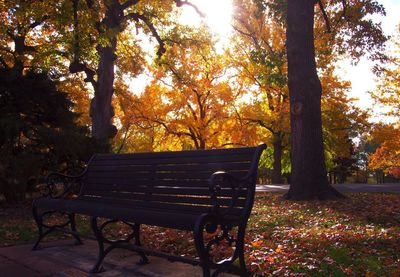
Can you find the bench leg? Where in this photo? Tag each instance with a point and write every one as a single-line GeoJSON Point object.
{"type": "Point", "coordinates": [39, 223]}
{"type": "Point", "coordinates": [208, 223]}
{"type": "Point", "coordinates": [41, 227]}
{"type": "Point", "coordinates": [73, 228]}
{"type": "Point", "coordinates": [240, 251]}
{"type": "Point", "coordinates": [44, 230]}
{"type": "Point", "coordinates": [136, 231]}
{"type": "Point", "coordinates": [200, 226]}
{"type": "Point", "coordinates": [100, 241]}
{"type": "Point", "coordinates": [122, 243]}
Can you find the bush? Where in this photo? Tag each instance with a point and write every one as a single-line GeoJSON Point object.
{"type": "Point", "coordinates": [38, 132]}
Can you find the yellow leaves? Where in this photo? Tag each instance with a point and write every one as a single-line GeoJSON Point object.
{"type": "Point", "coordinates": [191, 98]}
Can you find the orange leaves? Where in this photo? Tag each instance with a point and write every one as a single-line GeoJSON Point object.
{"type": "Point", "coordinates": [256, 243]}
{"type": "Point", "coordinates": [387, 156]}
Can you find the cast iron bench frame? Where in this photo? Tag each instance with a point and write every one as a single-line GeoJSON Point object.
{"type": "Point", "coordinates": [201, 190]}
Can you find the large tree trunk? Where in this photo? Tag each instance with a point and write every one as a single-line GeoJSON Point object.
{"type": "Point", "coordinates": [101, 110]}
{"type": "Point", "coordinates": [277, 166]}
{"type": "Point", "coordinates": [309, 176]}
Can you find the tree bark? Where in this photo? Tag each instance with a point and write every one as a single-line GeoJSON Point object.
{"type": "Point", "coordinates": [309, 176]}
{"type": "Point", "coordinates": [101, 110]}
{"type": "Point", "coordinates": [277, 166]}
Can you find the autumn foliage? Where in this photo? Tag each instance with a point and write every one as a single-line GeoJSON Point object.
{"type": "Point", "coordinates": [135, 73]}
{"type": "Point", "coordinates": [387, 156]}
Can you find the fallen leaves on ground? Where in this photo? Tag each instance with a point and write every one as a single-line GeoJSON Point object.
{"type": "Point", "coordinates": [358, 236]}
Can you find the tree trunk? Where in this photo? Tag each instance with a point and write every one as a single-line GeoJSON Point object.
{"type": "Point", "coordinates": [101, 110]}
{"type": "Point", "coordinates": [309, 176]}
{"type": "Point", "coordinates": [277, 166]}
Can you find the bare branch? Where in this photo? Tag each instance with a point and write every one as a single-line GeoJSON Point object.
{"type": "Point", "coordinates": [180, 3]}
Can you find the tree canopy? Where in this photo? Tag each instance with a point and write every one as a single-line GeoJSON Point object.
{"type": "Point", "coordinates": [139, 79]}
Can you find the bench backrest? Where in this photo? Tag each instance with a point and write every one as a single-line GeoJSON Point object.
{"type": "Point", "coordinates": [170, 180]}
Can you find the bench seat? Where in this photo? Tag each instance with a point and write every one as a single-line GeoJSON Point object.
{"type": "Point", "coordinates": [182, 219]}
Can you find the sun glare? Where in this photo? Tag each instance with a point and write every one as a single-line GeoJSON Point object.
{"type": "Point", "coordinates": [218, 15]}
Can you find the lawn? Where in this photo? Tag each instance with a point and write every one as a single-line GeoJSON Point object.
{"type": "Point", "coordinates": [359, 236]}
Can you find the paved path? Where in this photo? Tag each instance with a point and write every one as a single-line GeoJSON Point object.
{"type": "Point", "coordinates": [387, 187]}
{"type": "Point", "coordinates": [63, 258]}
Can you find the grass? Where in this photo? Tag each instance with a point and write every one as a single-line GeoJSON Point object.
{"type": "Point", "coordinates": [359, 236]}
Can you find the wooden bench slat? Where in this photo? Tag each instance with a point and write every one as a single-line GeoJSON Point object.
{"type": "Point", "coordinates": [172, 167]}
{"type": "Point", "coordinates": [146, 182]}
{"type": "Point", "coordinates": [165, 198]}
{"type": "Point", "coordinates": [162, 190]}
{"type": "Point", "coordinates": [124, 182]}
{"type": "Point", "coordinates": [158, 175]}
{"type": "Point", "coordinates": [191, 154]}
{"type": "Point", "coordinates": [147, 160]}
{"type": "Point", "coordinates": [135, 204]}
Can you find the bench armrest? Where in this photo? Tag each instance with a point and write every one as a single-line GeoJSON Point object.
{"type": "Point", "coordinates": [222, 179]}
{"type": "Point", "coordinates": [58, 185]}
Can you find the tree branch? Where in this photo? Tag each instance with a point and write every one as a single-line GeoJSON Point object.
{"type": "Point", "coordinates": [76, 67]}
{"type": "Point", "coordinates": [322, 8]}
{"type": "Point", "coordinates": [344, 4]}
{"type": "Point", "coordinates": [180, 3]}
{"type": "Point", "coordinates": [37, 23]}
{"type": "Point", "coordinates": [260, 123]}
{"type": "Point", "coordinates": [129, 3]}
{"type": "Point", "coordinates": [140, 17]}
{"type": "Point", "coordinates": [124, 139]}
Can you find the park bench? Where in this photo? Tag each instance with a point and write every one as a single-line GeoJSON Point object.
{"type": "Point", "coordinates": [202, 191]}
